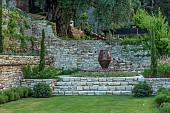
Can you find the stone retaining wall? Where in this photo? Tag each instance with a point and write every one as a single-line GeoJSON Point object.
{"type": "Point", "coordinates": [31, 82]}
{"type": "Point", "coordinates": [84, 55]}
{"type": "Point", "coordinates": [95, 85]}
{"type": "Point", "coordinates": [157, 83]}
{"type": "Point", "coordinates": [10, 69]}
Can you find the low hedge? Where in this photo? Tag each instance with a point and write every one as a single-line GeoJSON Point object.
{"type": "Point", "coordinates": [40, 90]}
{"type": "Point", "coordinates": [142, 89]}
{"type": "Point", "coordinates": [163, 100]}
{"type": "Point", "coordinates": [15, 93]}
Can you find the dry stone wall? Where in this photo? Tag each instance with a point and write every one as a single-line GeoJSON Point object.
{"type": "Point", "coordinates": [10, 69]}
{"type": "Point", "coordinates": [31, 82]}
{"type": "Point", "coordinates": [84, 55]}
{"type": "Point", "coordinates": [157, 83]}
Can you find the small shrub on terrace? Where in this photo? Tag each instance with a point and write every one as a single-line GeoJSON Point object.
{"type": "Point", "coordinates": [162, 98]}
{"type": "Point", "coordinates": [146, 72]}
{"type": "Point", "coordinates": [26, 92]}
{"type": "Point", "coordinates": [163, 91]}
{"type": "Point", "coordinates": [9, 94]}
{"type": "Point", "coordinates": [165, 108]}
{"type": "Point", "coordinates": [18, 92]}
{"type": "Point", "coordinates": [3, 98]}
{"type": "Point", "coordinates": [142, 89]}
{"type": "Point", "coordinates": [34, 73]}
{"type": "Point", "coordinates": [69, 71]}
{"type": "Point", "coordinates": [49, 73]}
{"type": "Point", "coordinates": [42, 90]}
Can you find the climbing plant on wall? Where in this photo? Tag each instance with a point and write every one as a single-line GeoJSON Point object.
{"type": "Point", "coordinates": [15, 22]}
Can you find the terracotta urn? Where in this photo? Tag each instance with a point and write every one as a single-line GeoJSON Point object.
{"type": "Point", "coordinates": [104, 58]}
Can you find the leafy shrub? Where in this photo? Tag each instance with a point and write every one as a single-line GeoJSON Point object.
{"type": "Point", "coordinates": [165, 108]}
{"type": "Point", "coordinates": [26, 92]}
{"type": "Point", "coordinates": [48, 73]}
{"type": "Point", "coordinates": [163, 69]}
{"type": "Point", "coordinates": [69, 71]}
{"type": "Point", "coordinates": [163, 91]}
{"type": "Point", "coordinates": [34, 73]}
{"type": "Point", "coordinates": [9, 94]}
{"type": "Point", "coordinates": [161, 98]}
{"type": "Point", "coordinates": [146, 72]}
{"type": "Point", "coordinates": [16, 96]}
{"type": "Point", "coordinates": [3, 98]}
{"type": "Point", "coordinates": [18, 92]}
{"type": "Point", "coordinates": [142, 89]}
{"type": "Point", "coordinates": [30, 73]}
{"type": "Point", "coordinates": [42, 90]}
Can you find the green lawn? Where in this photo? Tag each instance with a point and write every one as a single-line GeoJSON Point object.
{"type": "Point", "coordinates": [81, 104]}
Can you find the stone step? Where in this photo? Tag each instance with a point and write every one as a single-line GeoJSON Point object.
{"type": "Point", "coordinates": [130, 83]}
{"type": "Point", "coordinates": [92, 92]}
{"type": "Point", "coordinates": [92, 88]}
{"type": "Point", "coordinates": [98, 79]}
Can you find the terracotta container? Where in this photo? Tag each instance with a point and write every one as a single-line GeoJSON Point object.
{"type": "Point", "coordinates": [104, 58]}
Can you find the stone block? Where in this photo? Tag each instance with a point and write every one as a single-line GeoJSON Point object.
{"type": "Point", "coordinates": [68, 93]}
{"type": "Point", "coordinates": [65, 79]}
{"type": "Point", "coordinates": [79, 88]}
{"type": "Point", "coordinates": [83, 92]}
{"type": "Point", "coordinates": [100, 92]}
{"type": "Point", "coordinates": [103, 83]}
{"type": "Point", "coordinates": [116, 92]}
{"type": "Point", "coordinates": [111, 88]}
{"type": "Point", "coordinates": [86, 88]}
{"type": "Point", "coordinates": [102, 79]}
{"type": "Point", "coordinates": [102, 88]}
{"type": "Point", "coordinates": [93, 88]}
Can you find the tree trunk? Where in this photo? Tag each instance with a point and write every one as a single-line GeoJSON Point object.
{"type": "Point", "coordinates": [62, 27]}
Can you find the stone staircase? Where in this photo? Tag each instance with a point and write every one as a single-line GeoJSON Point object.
{"type": "Point", "coordinates": [95, 85]}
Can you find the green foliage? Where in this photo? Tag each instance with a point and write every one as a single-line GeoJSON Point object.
{"type": "Point", "coordinates": [131, 41]}
{"type": "Point", "coordinates": [9, 94]}
{"type": "Point", "coordinates": [42, 90]}
{"type": "Point", "coordinates": [147, 21]}
{"type": "Point", "coordinates": [163, 69]}
{"type": "Point", "coordinates": [42, 52]}
{"type": "Point", "coordinates": [146, 72]}
{"type": "Point", "coordinates": [153, 54]}
{"type": "Point", "coordinates": [27, 92]}
{"type": "Point", "coordinates": [163, 90]}
{"type": "Point", "coordinates": [162, 98]}
{"type": "Point", "coordinates": [15, 93]}
{"type": "Point", "coordinates": [104, 74]}
{"type": "Point", "coordinates": [14, 19]}
{"type": "Point", "coordinates": [3, 98]}
{"type": "Point", "coordinates": [165, 108]}
{"type": "Point", "coordinates": [34, 73]}
{"type": "Point", "coordinates": [29, 72]}
{"type": "Point", "coordinates": [142, 89]}
{"type": "Point", "coordinates": [49, 73]}
{"type": "Point", "coordinates": [69, 71]}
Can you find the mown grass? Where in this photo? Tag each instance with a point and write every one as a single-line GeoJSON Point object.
{"type": "Point", "coordinates": [81, 104]}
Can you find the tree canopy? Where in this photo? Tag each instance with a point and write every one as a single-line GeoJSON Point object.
{"type": "Point", "coordinates": [107, 13]}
